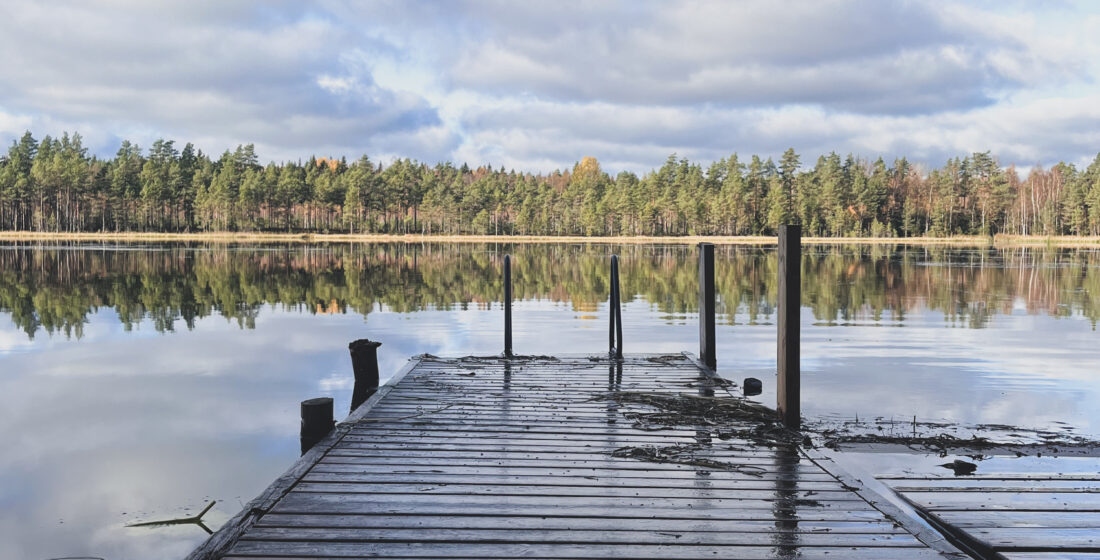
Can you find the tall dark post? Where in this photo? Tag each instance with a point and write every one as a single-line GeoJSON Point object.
{"type": "Point", "coordinates": [508, 306]}
{"type": "Point", "coordinates": [706, 306]}
{"type": "Point", "coordinates": [615, 330]}
{"type": "Point", "coordinates": [317, 421]}
{"type": "Point", "coordinates": [790, 303]}
{"type": "Point", "coordinates": [364, 364]}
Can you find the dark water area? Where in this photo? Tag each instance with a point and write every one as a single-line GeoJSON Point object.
{"type": "Point", "coordinates": [139, 382]}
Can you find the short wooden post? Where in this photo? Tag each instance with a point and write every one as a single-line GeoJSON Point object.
{"type": "Point", "coordinates": [788, 386]}
{"type": "Point", "coordinates": [364, 364]}
{"type": "Point", "coordinates": [706, 306]}
{"type": "Point", "coordinates": [508, 306]}
{"type": "Point", "coordinates": [317, 421]}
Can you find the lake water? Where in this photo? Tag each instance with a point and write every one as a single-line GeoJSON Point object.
{"type": "Point", "coordinates": [139, 382]}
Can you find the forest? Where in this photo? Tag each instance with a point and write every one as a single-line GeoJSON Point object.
{"type": "Point", "coordinates": [57, 289]}
{"type": "Point", "coordinates": [54, 185]}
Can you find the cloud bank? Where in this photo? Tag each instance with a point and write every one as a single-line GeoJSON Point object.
{"type": "Point", "coordinates": [536, 86]}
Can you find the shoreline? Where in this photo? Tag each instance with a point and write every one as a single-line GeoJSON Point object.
{"type": "Point", "coordinates": [246, 237]}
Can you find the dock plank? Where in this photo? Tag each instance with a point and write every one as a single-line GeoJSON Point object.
{"type": "Point", "coordinates": [245, 549]}
{"type": "Point", "coordinates": [544, 522]}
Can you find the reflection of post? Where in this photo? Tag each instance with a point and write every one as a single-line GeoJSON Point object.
{"type": "Point", "coordinates": [364, 364]}
{"type": "Point", "coordinates": [785, 506]}
{"type": "Point", "coordinates": [789, 306]}
{"type": "Point", "coordinates": [706, 305]}
{"type": "Point", "coordinates": [508, 306]}
{"type": "Point", "coordinates": [614, 385]}
{"type": "Point", "coordinates": [506, 393]}
{"type": "Point", "coordinates": [317, 421]}
{"type": "Point", "coordinates": [706, 385]}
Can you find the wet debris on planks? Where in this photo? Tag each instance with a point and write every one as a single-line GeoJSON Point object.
{"type": "Point", "coordinates": [684, 455]}
{"type": "Point", "coordinates": [725, 418]}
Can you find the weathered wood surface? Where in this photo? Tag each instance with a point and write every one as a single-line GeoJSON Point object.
{"type": "Point", "coordinates": [495, 458]}
{"type": "Point", "coordinates": [1027, 516]}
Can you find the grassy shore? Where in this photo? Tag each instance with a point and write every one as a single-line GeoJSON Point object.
{"type": "Point", "coordinates": [246, 237]}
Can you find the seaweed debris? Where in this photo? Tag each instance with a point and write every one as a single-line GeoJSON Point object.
{"type": "Point", "coordinates": [668, 359]}
{"type": "Point", "coordinates": [684, 455]}
{"type": "Point", "coordinates": [736, 418]}
{"type": "Point", "coordinates": [943, 438]}
{"type": "Point", "coordinates": [722, 418]}
{"type": "Point", "coordinates": [687, 409]}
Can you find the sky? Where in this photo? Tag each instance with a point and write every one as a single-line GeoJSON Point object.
{"type": "Point", "coordinates": [536, 86]}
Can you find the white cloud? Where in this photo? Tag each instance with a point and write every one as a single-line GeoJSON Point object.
{"type": "Point", "coordinates": [537, 86]}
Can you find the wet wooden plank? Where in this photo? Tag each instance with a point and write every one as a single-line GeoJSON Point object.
{"type": "Point", "coordinates": [1051, 555]}
{"type": "Point", "coordinates": [1022, 519]}
{"type": "Point", "coordinates": [612, 470]}
{"type": "Point", "coordinates": [1031, 538]}
{"type": "Point", "coordinates": [571, 456]}
{"type": "Point", "coordinates": [398, 441]}
{"type": "Point", "coordinates": [510, 480]}
{"type": "Point", "coordinates": [413, 428]}
{"type": "Point", "coordinates": [697, 493]}
{"type": "Point", "coordinates": [1006, 501]}
{"type": "Point", "coordinates": [558, 447]}
{"type": "Point", "coordinates": [998, 485]}
{"type": "Point", "coordinates": [574, 536]}
{"type": "Point", "coordinates": [513, 462]}
{"type": "Point", "coordinates": [318, 501]}
{"type": "Point", "coordinates": [296, 505]}
{"type": "Point", "coordinates": [543, 551]}
{"type": "Point", "coordinates": [890, 479]}
{"type": "Point", "coordinates": [543, 522]}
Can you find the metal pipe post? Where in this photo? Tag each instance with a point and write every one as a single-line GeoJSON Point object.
{"type": "Point", "coordinates": [508, 306]}
{"type": "Point", "coordinates": [615, 332]}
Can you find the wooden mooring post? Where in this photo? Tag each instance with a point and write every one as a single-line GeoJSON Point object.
{"type": "Point", "coordinates": [788, 386]}
{"type": "Point", "coordinates": [317, 421]}
{"type": "Point", "coordinates": [615, 330]}
{"type": "Point", "coordinates": [364, 365]}
{"type": "Point", "coordinates": [706, 306]}
{"type": "Point", "coordinates": [508, 306]}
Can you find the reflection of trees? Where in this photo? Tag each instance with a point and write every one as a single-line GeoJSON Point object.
{"type": "Point", "coordinates": [55, 289]}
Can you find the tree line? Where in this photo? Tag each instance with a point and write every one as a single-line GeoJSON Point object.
{"type": "Point", "coordinates": [56, 289]}
{"type": "Point", "coordinates": [53, 184]}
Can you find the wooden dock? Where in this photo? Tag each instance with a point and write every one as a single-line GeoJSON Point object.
{"type": "Point", "coordinates": [541, 457]}
{"type": "Point", "coordinates": [1014, 516]}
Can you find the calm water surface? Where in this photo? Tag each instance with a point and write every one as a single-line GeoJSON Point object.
{"type": "Point", "coordinates": [139, 382]}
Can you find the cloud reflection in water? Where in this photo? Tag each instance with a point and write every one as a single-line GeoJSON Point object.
{"type": "Point", "coordinates": [136, 415]}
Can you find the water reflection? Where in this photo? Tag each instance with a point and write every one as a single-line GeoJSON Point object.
{"type": "Point", "coordinates": [138, 385]}
{"type": "Point", "coordinates": [785, 507]}
{"type": "Point", "coordinates": [55, 289]}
